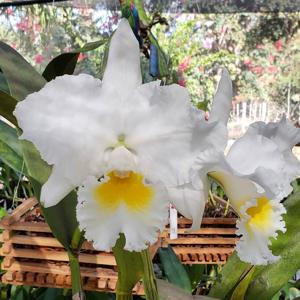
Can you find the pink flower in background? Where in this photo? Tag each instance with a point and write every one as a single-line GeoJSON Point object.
{"type": "Point", "coordinates": [67, 49]}
{"type": "Point", "coordinates": [206, 115]}
{"type": "Point", "coordinates": [278, 45]}
{"type": "Point", "coordinates": [207, 43]}
{"type": "Point", "coordinates": [272, 69]}
{"type": "Point", "coordinates": [81, 57]}
{"type": "Point", "coordinates": [271, 59]}
{"type": "Point", "coordinates": [9, 11]}
{"type": "Point", "coordinates": [39, 58]}
{"type": "Point", "coordinates": [182, 82]}
{"type": "Point", "coordinates": [257, 69]}
{"type": "Point", "coordinates": [185, 63]}
{"type": "Point", "coordinates": [248, 61]}
{"type": "Point", "coordinates": [23, 25]}
{"type": "Point", "coordinates": [259, 46]}
{"type": "Point", "coordinates": [37, 27]}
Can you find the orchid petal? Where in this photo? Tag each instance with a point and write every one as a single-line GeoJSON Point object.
{"type": "Point", "coordinates": [123, 72]}
{"type": "Point", "coordinates": [270, 162]}
{"type": "Point", "coordinates": [189, 202]}
{"type": "Point", "coordinates": [103, 226]}
{"type": "Point", "coordinates": [222, 101]}
{"type": "Point", "coordinates": [253, 246]}
{"type": "Point", "coordinates": [56, 188]}
{"type": "Point", "coordinates": [63, 120]}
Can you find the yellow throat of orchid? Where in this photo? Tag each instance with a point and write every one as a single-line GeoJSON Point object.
{"type": "Point", "coordinates": [260, 215]}
{"type": "Point", "coordinates": [129, 190]}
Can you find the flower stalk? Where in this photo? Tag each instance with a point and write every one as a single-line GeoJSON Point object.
{"type": "Point", "coordinates": [149, 277]}
{"type": "Point", "coordinates": [77, 287]}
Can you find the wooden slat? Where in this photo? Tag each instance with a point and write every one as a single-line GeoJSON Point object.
{"type": "Point", "coordinates": [18, 212]}
{"type": "Point", "coordinates": [10, 278]}
{"type": "Point", "coordinates": [41, 241]}
{"type": "Point", "coordinates": [209, 221]}
{"type": "Point", "coordinates": [203, 241]}
{"type": "Point", "coordinates": [46, 267]}
{"type": "Point", "coordinates": [28, 226]}
{"type": "Point", "coordinates": [100, 258]}
{"type": "Point", "coordinates": [204, 230]}
{"type": "Point", "coordinates": [215, 250]}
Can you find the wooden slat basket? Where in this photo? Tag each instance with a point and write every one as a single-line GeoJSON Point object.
{"type": "Point", "coordinates": [32, 256]}
{"type": "Point", "coordinates": [213, 243]}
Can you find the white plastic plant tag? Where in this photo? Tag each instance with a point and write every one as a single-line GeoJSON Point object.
{"type": "Point", "coordinates": [173, 222]}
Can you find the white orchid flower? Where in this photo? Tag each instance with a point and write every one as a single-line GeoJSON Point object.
{"type": "Point", "coordinates": [256, 175]}
{"type": "Point", "coordinates": [123, 143]}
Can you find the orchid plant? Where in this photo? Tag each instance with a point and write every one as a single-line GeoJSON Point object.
{"type": "Point", "coordinates": [130, 149]}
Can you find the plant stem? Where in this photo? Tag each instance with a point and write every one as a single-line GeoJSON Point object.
{"type": "Point", "coordinates": [123, 296]}
{"type": "Point", "coordinates": [77, 289]}
{"type": "Point", "coordinates": [149, 277]}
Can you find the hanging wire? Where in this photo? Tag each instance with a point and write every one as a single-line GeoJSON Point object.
{"type": "Point", "coordinates": [30, 2]}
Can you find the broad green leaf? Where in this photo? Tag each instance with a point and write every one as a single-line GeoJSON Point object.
{"type": "Point", "coordinates": [7, 106]}
{"type": "Point", "coordinates": [195, 273]}
{"type": "Point", "coordinates": [10, 148]}
{"type": "Point", "coordinates": [174, 270]}
{"type": "Point", "coordinates": [3, 83]}
{"type": "Point", "coordinates": [142, 13]}
{"type": "Point", "coordinates": [3, 212]}
{"type": "Point", "coordinates": [99, 296]}
{"type": "Point", "coordinates": [65, 63]}
{"type": "Point", "coordinates": [163, 60]}
{"type": "Point", "coordinates": [240, 291]}
{"type": "Point", "coordinates": [21, 77]}
{"type": "Point", "coordinates": [168, 291]}
{"type": "Point", "coordinates": [130, 266]}
{"type": "Point", "coordinates": [9, 135]}
{"type": "Point", "coordinates": [232, 273]}
{"type": "Point", "coordinates": [269, 279]}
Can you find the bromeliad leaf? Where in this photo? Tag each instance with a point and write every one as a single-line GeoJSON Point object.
{"type": "Point", "coordinates": [22, 79]}
{"type": "Point", "coordinates": [65, 63]}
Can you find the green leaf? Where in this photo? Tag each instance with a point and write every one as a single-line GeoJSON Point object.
{"type": "Point", "coordinates": [10, 148]}
{"type": "Point", "coordinates": [174, 270]}
{"type": "Point", "coordinates": [3, 212]}
{"type": "Point", "coordinates": [99, 296]}
{"type": "Point", "coordinates": [269, 279]}
{"type": "Point", "coordinates": [240, 291]}
{"type": "Point", "coordinates": [142, 13]}
{"type": "Point", "coordinates": [163, 60]}
{"type": "Point", "coordinates": [3, 83]}
{"type": "Point", "coordinates": [130, 266]}
{"type": "Point", "coordinates": [168, 291]}
{"type": "Point", "coordinates": [195, 273]}
{"type": "Point", "coordinates": [231, 274]}
{"type": "Point", "coordinates": [21, 77]}
{"type": "Point", "coordinates": [65, 63]}
{"type": "Point", "coordinates": [7, 106]}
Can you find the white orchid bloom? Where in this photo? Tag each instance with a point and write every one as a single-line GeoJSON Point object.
{"type": "Point", "coordinates": [123, 143]}
{"type": "Point", "coordinates": [256, 175]}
